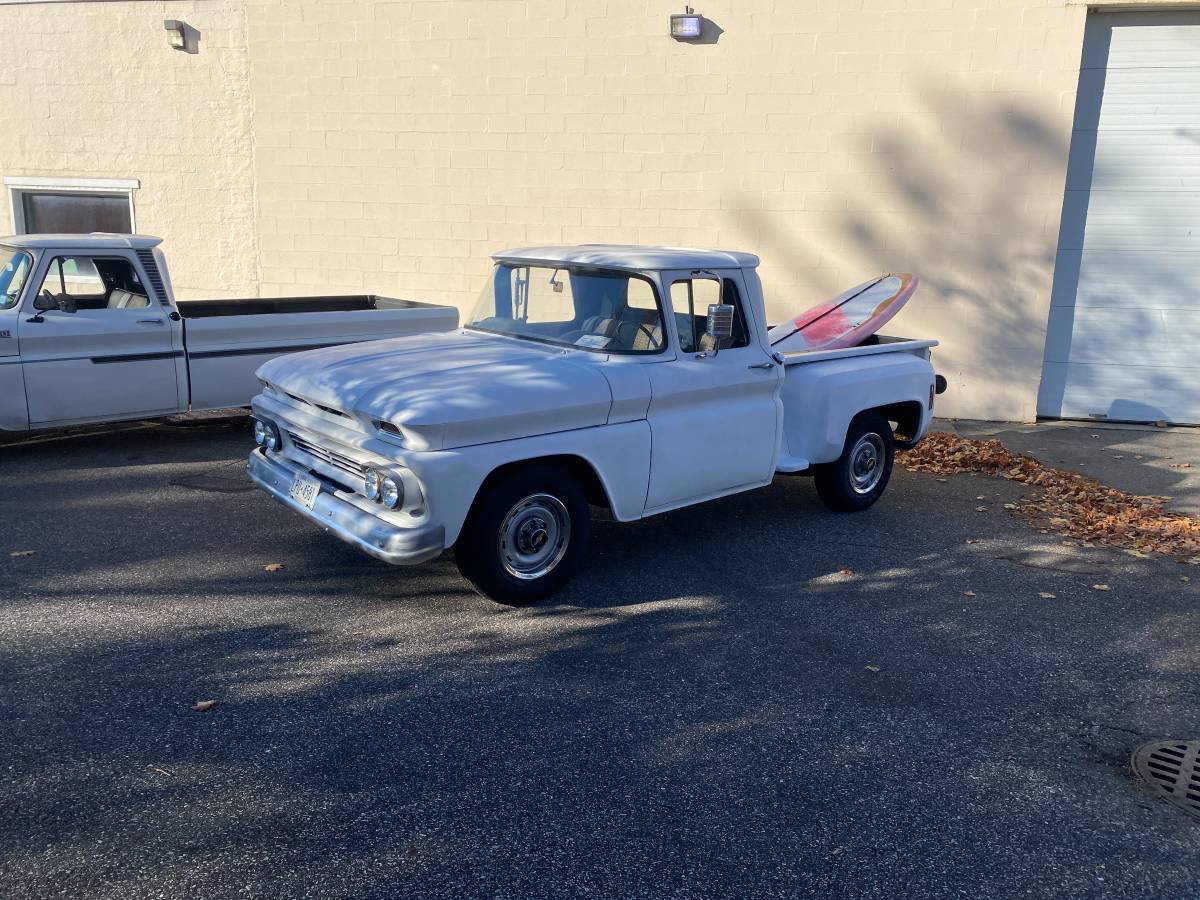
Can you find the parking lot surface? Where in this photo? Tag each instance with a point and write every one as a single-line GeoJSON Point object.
{"type": "Point", "coordinates": [753, 697]}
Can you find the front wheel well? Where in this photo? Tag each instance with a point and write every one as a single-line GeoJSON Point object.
{"type": "Point", "coordinates": [576, 466]}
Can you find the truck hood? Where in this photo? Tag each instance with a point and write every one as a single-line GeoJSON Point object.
{"type": "Point", "coordinates": [450, 389]}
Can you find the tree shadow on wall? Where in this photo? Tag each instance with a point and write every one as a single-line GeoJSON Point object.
{"type": "Point", "coordinates": [967, 193]}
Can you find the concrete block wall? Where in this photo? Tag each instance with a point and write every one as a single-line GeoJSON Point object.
{"type": "Point", "coordinates": [349, 145]}
{"type": "Point", "coordinates": [399, 143]}
{"type": "Point", "coordinates": [92, 90]}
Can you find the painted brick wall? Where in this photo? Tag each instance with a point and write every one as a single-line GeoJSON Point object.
{"type": "Point", "coordinates": [92, 90]}
{"type": "Point", "coordinates": [398, 143]}
{"type": "Point", "coordinates": [391, 146]}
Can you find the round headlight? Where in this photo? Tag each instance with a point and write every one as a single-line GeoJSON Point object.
{"type": "Point", "coordinates": [371, 489]}
{"type": "Point", "coordinates": [272, 439]}
{"type": "Point", "coordinates": [260, 432]}
{"type": "Point", "coordinates": [390, 493]}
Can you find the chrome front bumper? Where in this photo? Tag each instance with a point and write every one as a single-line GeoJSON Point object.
{"type": "Point", "coordinates": [370, 534]}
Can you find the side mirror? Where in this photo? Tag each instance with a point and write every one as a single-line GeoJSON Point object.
{"type": "Point", "coordinates": [720, 323]}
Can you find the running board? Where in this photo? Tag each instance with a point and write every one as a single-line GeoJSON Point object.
{"type": "Point", "coordinates": [790, 465]}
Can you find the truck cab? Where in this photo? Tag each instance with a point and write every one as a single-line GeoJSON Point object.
{"type": "Point", "coordinates": [634, 378]}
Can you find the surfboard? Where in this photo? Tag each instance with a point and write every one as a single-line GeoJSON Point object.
{"type": "Point", "coordinates": [848, 319]}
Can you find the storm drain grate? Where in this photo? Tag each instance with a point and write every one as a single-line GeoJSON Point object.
{"type": "Point", "coordinates": [1172, 770]}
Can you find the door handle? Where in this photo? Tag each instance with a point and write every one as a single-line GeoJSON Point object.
{"type": "Point", "coordinates": [149, 321]}
{"type": "Point", "coordinates": [765, 365]}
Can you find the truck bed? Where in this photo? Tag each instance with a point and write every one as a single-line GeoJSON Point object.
{"type": "Point", "coordinates": [257, 306]}
{"type": "Point", "coordinates": [226, 340]}
{"type": "Point", "coordinates": [822, 385]}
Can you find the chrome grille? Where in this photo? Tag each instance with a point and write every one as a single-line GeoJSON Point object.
{"type": "Point", "coordinates": [331, 457]}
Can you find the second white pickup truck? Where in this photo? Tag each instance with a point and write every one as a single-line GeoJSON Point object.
{"type": "Point", "coordinates": [633, 378]}
{"type": "Point", "coordinates": [90, 331]}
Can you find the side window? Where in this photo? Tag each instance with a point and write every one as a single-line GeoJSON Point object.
{"type": "Point", "coordinates": [12, 278]}
{"type": "Point", "coordinates": [94, 282]}
{"type": "Point", "coordinates": [690, 299]}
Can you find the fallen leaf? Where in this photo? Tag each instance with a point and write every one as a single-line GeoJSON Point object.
{"type": "Point", "coordinates": [204, 705]}
{"type": "Point", "coordinates": [942, 480]}
{"type": "Point", "coordinates": [845, 570]}
{"type": "Point", "coordinates": [1139, 457]}
{"type": "Point", "coordinates": [981, 497]}
{"type": "Point", "coordinates": [968, 593]}
{"type": "Point", "coordinates": [1184, 578]}
{"type": "Point", "coordinates": [1100, 587]}
{"type": "Point", "coordinates": [160, 771]}
{"type": "Point", "coordinates": [1064, 501]}
{"type": "Point", "coordinates": [273, 567]}
{"type": "Point", "coordinates": [1118, 457]}
{"type": "Point", "coordinates": [835, 851]}
{"type": "Point", "coordinates": [1181, 465]}
{"type": "Point", "coordinates": [1046, 595]}
{"type": "Point", "coordinates": [872, 668]}
{"type": "Point", "coordinates": [972, 540]}
{"type": "Point", "coordinates": [1010, 506]}
{"type": "Point", "coordinates": [23, 553]}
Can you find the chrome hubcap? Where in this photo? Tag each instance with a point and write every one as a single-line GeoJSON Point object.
{"type": "Point", "coordinates": [534, 536]}
{"type": "Point", "coordinates": [866, 463]}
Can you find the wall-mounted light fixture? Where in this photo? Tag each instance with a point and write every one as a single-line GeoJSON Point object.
{"type": "Point", "coordinates": [686, 26]}
{"type": "Point", "coordinates": [176, 29]}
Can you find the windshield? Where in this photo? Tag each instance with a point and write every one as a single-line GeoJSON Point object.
{"type": "Point", "coordinates": [609, 312]}
{"type": "Point", "coordinates": [17, 264]}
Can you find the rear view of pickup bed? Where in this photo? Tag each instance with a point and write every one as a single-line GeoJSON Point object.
{"type": "Point", "coordinates": [90, 331]}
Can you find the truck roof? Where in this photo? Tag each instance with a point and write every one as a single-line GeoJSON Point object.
{"type": "Point", "coordinates": [94, 241]}
{"type": "Point", "coordinates": [630, 256]}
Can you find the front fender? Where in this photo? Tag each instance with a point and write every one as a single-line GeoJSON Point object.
{"type": "Point", "coordinates": [619, 455]}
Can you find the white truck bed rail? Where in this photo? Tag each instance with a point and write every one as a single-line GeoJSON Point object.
{"type": "Point", "coordinates": [885, 345]}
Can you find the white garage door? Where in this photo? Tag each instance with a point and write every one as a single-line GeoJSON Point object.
{"type": "Point", "coordinates": [1124, 332]}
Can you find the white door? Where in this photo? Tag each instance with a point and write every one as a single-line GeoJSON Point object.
{"type": "Point", "coordinates": [714, 418]}
{"type": "Point", "coordinates": [1125, 310]}
{"type": "Point", "coordinates": [113, 358]}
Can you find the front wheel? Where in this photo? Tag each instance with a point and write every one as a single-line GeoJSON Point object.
{"type": "Point", "coordinates": [857, 478]}
{"type": "Point", "coordinates": [525, 537]}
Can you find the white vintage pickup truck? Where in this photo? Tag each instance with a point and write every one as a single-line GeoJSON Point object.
{"type": "Point", "coordinates": [633, 378]}
{"type": "Point", "coordinates": [90, 332]}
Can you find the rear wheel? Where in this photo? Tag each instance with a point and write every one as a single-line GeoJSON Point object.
{"type": "Point", "coordinates": [525, 537]}
{"type": "Point", "coordinates": [856, 479]}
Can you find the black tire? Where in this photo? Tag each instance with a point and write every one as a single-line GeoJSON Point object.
{"type": "Point", "coordinates": [538, 500]}
{"type": "Point", "coordinates": [860, 475]}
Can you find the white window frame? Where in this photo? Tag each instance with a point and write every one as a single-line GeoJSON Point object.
{"type": "Point", "coordinates": [20, 185]}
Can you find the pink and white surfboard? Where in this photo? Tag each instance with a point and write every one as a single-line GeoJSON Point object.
{"type": "Point", "coordinates": [847, 320]}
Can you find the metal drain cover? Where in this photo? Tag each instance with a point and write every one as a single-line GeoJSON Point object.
{"type": "Point", "coordinates": [1172, 770]}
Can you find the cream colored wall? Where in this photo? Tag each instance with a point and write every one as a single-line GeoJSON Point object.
{"type": "Point", "coordinates": [391, 146]}
{"type": "Point", "coordinates": [399, 143]}
{"type": "Point", "coordinates": [92, 90]}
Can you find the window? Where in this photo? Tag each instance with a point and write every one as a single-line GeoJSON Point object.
{"type": "Point", "coordinates": [94, 282]}
{"type": "Point", "coordinates": [690, 299]}
{"type": "Point", "coordinates": [13, 275]}
{"type": "Point", "coordinates": [71, 205]}
{"type": "Point", "coordinates": [590, 309]}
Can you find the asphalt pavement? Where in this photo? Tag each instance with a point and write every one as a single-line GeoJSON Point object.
{"type": "Point", "coordinates": [753, 697]}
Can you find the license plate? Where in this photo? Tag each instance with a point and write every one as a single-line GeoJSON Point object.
{"type": "Point", "coordinates": [304, 490]}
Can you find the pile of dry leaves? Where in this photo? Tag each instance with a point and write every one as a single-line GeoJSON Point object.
{"type": "Point", "coordinates": [1065, 502]}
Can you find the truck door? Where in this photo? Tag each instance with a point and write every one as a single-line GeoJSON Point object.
{"type": "Point", "coordinates": [106, 351]}
{"type": "Point", "coordinates": [714, 418]}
